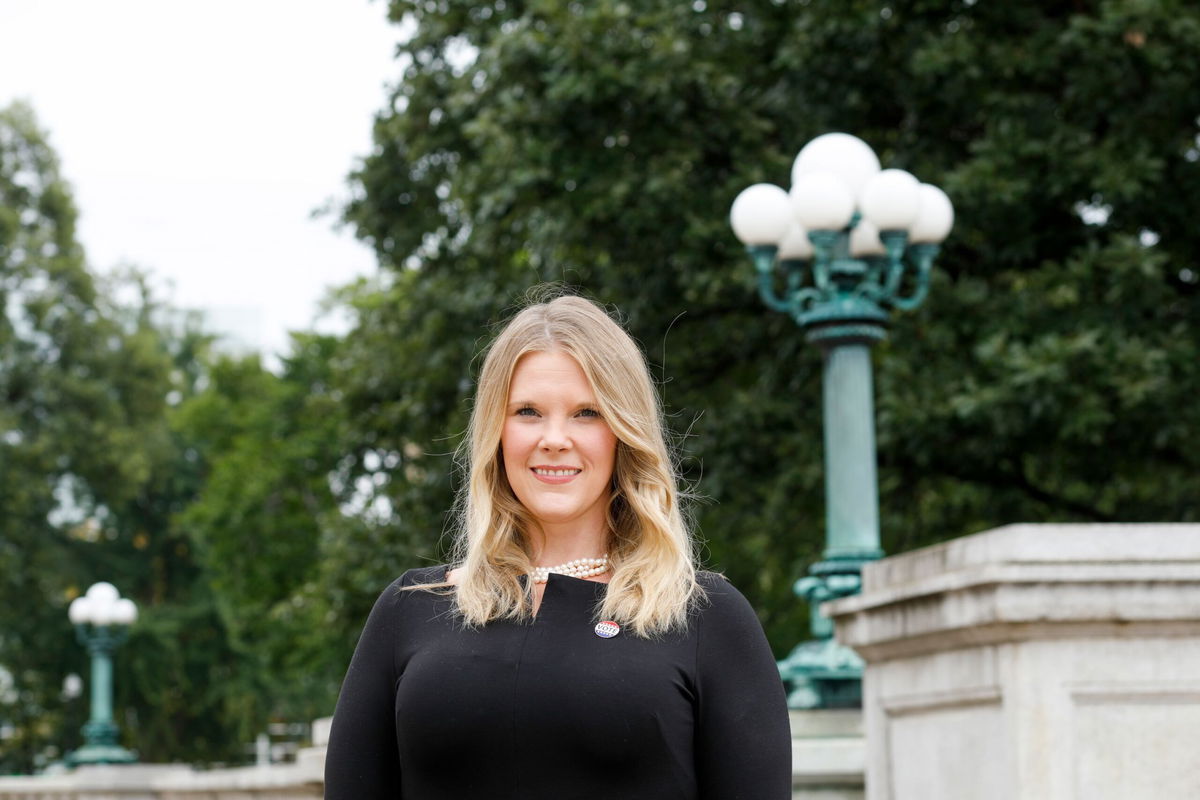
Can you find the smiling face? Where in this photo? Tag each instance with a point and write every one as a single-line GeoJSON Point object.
{"type": "Point", "coordinates": [558, 451]}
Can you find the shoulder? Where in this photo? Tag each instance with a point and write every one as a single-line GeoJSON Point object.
{"type": "Point", "coordinates": [729, 635]}
{"type": "Point", "coordinates": [419, 575]}
{"type": "Point", "coordinates": [390, 607]}
{"type": "Point", "coordinates": [722, 606]}
{"type": "Point", "coordinates": [393, 595]}
{"type": "Point", "coordinates": [709, 579]}
{"type": "Point", "coordinates": [717, 589]}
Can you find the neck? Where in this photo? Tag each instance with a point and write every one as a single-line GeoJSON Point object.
{"type": "Point", "coordinates": [554, 545]}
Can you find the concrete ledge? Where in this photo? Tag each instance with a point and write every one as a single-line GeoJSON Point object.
{"type": "Point", "coordinates": [1031, 544]}
{"type": "Point", "coordinates": [298, 781]}
{"type": "Point", "coordinates": [1027, 582]}
{"type": "Point", "coordinates": [829, 762]}
{"type": "Point", "coordinates": [244, 779]}
{"type": "Point", "coordinates": [829, 755]}
{"type": "Point", "coordinates": [100, 782]}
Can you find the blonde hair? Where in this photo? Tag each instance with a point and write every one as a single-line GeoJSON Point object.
{"type": "Point", "coordinates": [653, 581]}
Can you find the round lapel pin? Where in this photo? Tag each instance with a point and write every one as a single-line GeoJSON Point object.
{"type": "Point", "coordinates": [607, 629]}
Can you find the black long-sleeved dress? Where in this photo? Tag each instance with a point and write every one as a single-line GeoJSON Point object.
{"type": "Point", "coordinates": [551, 709]}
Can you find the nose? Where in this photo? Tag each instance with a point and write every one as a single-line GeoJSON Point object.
{"type": "Point", "coordinates": [554, 437]}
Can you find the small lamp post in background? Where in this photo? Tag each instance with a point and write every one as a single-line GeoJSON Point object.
{"type": "Point", "coordinates": [849, 243]}
{"type": "Point", "coordinates": [101, 618]}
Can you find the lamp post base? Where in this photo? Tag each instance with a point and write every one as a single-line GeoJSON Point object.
{"type": "Point", "coordinates": [101, 747]}
{"type": "Point", "coordinates": [101, 754]}
{"type": "Point", "coordinates": [822, 674]}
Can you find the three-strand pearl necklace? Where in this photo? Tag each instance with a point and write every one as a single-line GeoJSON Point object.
{"type": "Point", "coordinates": [579, 568]}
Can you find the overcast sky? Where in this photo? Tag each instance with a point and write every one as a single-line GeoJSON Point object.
{"type": "Point", "coordinates": [199, 137]}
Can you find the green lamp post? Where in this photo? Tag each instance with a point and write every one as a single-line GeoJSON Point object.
{"type": "Point", "coordinates": [847, 245]}
{"type": "Point", "coordinates": [101, 618]}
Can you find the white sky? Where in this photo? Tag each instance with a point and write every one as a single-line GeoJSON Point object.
{"type": "Point", "coordinates": [199, 137]}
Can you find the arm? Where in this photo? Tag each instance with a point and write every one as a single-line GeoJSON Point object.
{"type": "Point", "coordinates": [743, 740]}
{"type": "Point", "coordinates": [362, 762]}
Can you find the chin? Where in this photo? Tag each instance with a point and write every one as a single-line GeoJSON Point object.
{"type": "Point", "coordinates": [554, 516]}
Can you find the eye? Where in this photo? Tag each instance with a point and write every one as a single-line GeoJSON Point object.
{"type": "Point", "coordinates": [589, 412]}
{"type": "Point", "coordinates": [526, 411]}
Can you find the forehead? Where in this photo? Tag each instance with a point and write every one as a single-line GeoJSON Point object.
{"type": "Point", "coordinates": [547, 370]}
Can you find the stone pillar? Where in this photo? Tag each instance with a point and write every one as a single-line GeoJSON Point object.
{"type": "Point", "coordinates": [1033, 662]}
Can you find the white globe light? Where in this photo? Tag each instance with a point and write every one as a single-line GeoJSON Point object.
{"type": "Point", "coordinates": [72, 686]}
{"type": "Point", "coordinates": [103, 592]}
{"type": "Point", "coordinates": [760, 214]}
{"type": "Point", "coordinates": [822, 202]}
{"type": "Point", "coordinates": [795, 244]}
{"type": "Point", "coordinates": [125, 612]}
{"type": "Point", "coordinates": [80, 611]}
{"type": "Point", "coordinates": [935, 216]}
{"type": "Point", "coordinates": [103, 614]}
{"type": "Point", "coordinates": [891, 200]}
{"type": "Point", "coordinates": [846, 156]}
{"type": "Point", "coordinates": [865, 241]}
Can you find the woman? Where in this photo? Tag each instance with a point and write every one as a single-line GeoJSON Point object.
{"type": "Point", "coordinates": [574, 651]}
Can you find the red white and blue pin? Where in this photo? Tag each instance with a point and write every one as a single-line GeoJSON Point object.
{"type": "Point", "coordinates": [607, 629]}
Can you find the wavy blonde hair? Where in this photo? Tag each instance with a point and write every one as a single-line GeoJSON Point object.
{"type": "Point", "coordinates": [651, 551]}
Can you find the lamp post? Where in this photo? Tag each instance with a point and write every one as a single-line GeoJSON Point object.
{"type": "Point", "coordinates": [101, 618]}
{"type": "Point", "coordinates": [848, 244]}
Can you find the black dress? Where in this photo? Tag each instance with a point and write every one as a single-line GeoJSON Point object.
{"type": "Point", "coordinates": [551, 709]}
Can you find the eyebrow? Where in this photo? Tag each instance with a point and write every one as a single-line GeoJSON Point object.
{"type": "Point", "coordinates": [521, 403]}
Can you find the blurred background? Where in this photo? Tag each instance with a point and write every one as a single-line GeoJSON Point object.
{"type": "Point", "coordinates": [248, 253]}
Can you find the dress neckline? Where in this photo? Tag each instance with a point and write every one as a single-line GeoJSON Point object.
{"type": "Point", "coordinates": [557, 577]}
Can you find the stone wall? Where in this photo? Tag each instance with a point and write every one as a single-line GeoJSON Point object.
{"type": "Point", "coordinates": [300, 780]}
{"type": "Point", "coordinates": [1033, 662]}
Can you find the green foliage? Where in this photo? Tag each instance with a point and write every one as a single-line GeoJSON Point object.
{"type": "Point", "coordinates": [601, 143]}
{"type": "Point", "coordinates": [202, 487]}
{"type": "Point", "coordinates": [91, 474]}
{"type": "Point", "coordinates": [267, 446]}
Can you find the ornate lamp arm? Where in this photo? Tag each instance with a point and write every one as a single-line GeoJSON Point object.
{"type": "Point", "coordinates": [893, 242]}
{"type": "Point", "coordinates": [794, 269]}
{"type": "Point", "coordinates": [763, 256]}
{"type": "Point", "coordinates": [923, 255]}
{"type": "Point", "coordinates": [823, 243]}
{"type": "Point", "coordinates": [872, 284]}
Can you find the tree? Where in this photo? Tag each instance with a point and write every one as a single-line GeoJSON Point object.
{"type": "Point", "coordinates": [73, 437]}
{"type": "Point", "coordinates": [1046, 378]}
{"type": "Point", "coordinates": [267, 446]}
{"type": "Point", "coordinates": [91, 474]}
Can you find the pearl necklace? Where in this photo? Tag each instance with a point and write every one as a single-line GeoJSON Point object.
{"type": "Point", "coordinates": [579, 568]}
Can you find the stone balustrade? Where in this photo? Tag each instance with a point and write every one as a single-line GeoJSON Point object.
{"type": "Point", "coordinates": [302, 779]}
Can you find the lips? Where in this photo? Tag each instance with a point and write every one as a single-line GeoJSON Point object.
{"type": "Point", "coordinates": [555, 475]}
